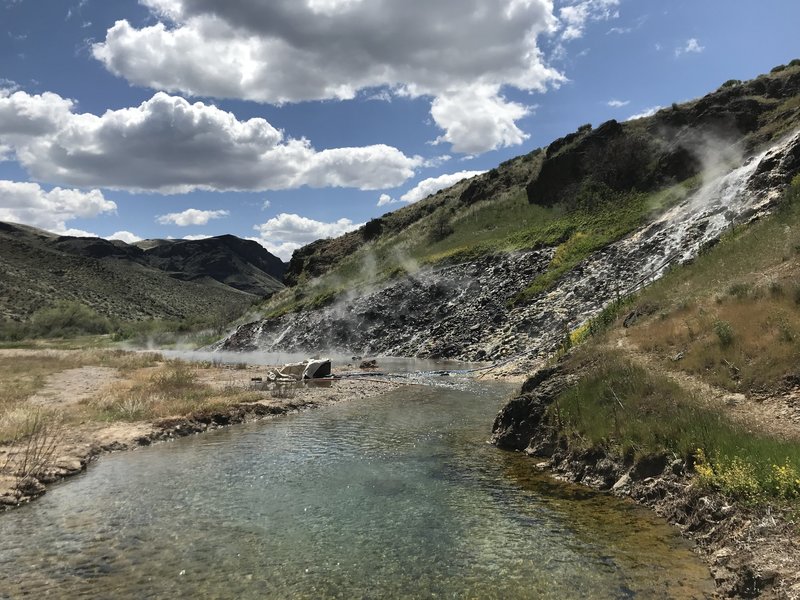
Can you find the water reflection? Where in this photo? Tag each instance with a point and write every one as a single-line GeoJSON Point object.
{"type": "Point", "coordinates": [393, 497]}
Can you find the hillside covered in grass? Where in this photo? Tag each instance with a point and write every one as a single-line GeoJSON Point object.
{"type": "Point", "coordinates": [686, 396]}
{"type": "Point", "coordinates": [579, 194]}
{"type": "Point", "coordinates": [50, 285]}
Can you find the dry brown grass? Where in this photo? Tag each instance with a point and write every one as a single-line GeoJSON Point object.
{"type": "Point", "coordinates": [172, 389]}
{"type": "Point", "coordinates": [147, 388]}
{"type": "Point", "coordinates": [743, 341]}
{"type": "Point", "coordinates": [732, 317]}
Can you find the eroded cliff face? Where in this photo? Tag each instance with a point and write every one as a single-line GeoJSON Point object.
{"type": "Point", "coordinates": [463, 311]}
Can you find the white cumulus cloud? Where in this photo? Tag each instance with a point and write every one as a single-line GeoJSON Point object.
{"type": "Point", "coordinates": [125, 236]}
{"type": "Point", "coordinates": [28, 203]}
{"type": "Point", "coordinates": [385, 199]}
{"type": "Point", "coordinates": [429, 186]}
{"type": "Point", "coordinates": [191, 216]}
{"type": "Point", "coordinates": [169, 145]}
{"type": "Point", "coordinates": [692, 46]}
{"type": "Point", "coordinates": [648, 112]}
{"type": "Point", "coordinates": [298, 50]}
{"type": "Point", "coordinates": [478, 119]}
{"type": "Point", "coordinates": [285, 233]}
{"type": "Point", "coordinates": [618, 103]}
{"type": "Point", "coordinates": [577, 14]}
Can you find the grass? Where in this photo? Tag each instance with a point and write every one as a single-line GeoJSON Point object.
{"type": "Point", "coordinates": [69, 320]}
{"type": "Point", "coordinates": [173, 389]}
{"type": "Point", "coordinates": [731, 318]}
{"type": "Point", "coordinates": [734, 314]}
{"type": "Point", "coordinates": [146, 388]}
{"type": "Point", "coordinates": [635, 412]}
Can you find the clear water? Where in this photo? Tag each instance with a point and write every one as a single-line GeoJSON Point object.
{"type": "Point", "coordinates": [393, 497]}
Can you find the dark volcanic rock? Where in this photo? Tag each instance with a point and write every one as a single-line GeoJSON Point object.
{"type": "Point", "coordinates": [436, 312]}
{"type": "Point", "coordinates": [520, 421]}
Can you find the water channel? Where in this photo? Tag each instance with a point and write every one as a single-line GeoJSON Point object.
{"type": "Point", "coordinates": [396, 496]}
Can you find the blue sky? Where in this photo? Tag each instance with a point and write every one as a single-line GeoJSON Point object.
{"type": "Point", "coordinates": [290, 120]}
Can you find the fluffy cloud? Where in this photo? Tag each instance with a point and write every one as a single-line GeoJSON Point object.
{"type": "Point", "coordinates": [385, 199]}
{"type": "Point", "coordinates": [429, 186]}
{"type": "Point", "coordinates": [168, 145]}
{"type": "Point", "coordinates": [478, 119]}
{"type": "Point", "coordinates": [285, 233]}
{"type": "Point", "coordinates": [692, 46]}
{"type": "Point", "coordinates": [575, 15]}
{"type": "Point", "coordinates": [618, 103]}
{"type": "Point", "coordinates": [28, 203]}
{"type": "Point", "coordinates": [124, 236]}
{"type": "Point", "coordinates": [297, 50]}
{"type": "Point", "coordinates": [191, 216]}
{"type": "Point", "coordinates": [648, 112]}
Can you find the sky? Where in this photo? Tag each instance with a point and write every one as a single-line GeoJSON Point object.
{"type": "Point", "coordinates": [286, 121]}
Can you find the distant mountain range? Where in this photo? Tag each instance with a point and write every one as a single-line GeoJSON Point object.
{"type": "Point", "coordinates": [172, 279]}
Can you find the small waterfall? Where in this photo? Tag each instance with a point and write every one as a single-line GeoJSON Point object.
{"type": "Point", "coordinates": [674, 238]}
{"type": "Point", "coordinates": [275, 344]}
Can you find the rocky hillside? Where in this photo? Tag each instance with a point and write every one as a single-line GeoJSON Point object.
{"type": "Point", "coordinates": [685, 398]}
{"type": "Point", "coordinates": [507, 263]}
{"type": "Point", "coordinates": [154, 279]}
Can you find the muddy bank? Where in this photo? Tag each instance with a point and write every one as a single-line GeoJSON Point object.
{"type": "Point", "coordinates": [78, 446]}
{"type": "Point", "coordinates": [750, 553]}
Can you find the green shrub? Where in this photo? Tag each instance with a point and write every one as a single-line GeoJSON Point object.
{"type": "Point", "coordinates": [67, 319]}
{"type": "Point", "coordinates": [724, 332]}
{"type": "Point", "coordinates": [739, 290]}
{"type": "Point", "coordinates": [440, 227]}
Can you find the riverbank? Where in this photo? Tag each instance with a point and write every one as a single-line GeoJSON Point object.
{"type": "Point", "coordinates": [752, 549]}
{"type": "Point", "coordinates": [62, 409]}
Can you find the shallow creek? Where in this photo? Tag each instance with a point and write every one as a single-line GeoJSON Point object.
{"type": "Point", "coordinates": [396, 496]}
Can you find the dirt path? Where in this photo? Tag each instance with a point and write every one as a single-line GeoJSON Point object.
{"type": "Point", "coordinates": [74, 385]}
{"type": "Point", "coordinates": [775, 415]}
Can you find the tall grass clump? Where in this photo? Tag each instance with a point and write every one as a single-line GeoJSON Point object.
{"type": "Point", "coordinates": [35, 436]}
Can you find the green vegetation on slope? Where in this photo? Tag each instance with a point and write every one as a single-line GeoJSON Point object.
{"type": "Point", "coordinates": [592, 187]}
{"type": "Point", "coordinates": [636, 412]}
{"type": "Point", "coordinates": [730, 319]}
{"type": "Point", "coordinates": [509, 223]}
{"type": "Point", "coordinates": [69, 320]}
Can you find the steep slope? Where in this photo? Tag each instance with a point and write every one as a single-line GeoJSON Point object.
{"type": "Point", "coordinates": [677, 143]}
{"type": "Point", "coordinates": [241, 264]}
{"type": "Point", "coordinates": [508, 262]}
{"type": "Point", "coordinates": [171, 280]}
{"type": "Point", "coordinates": [685, 398]}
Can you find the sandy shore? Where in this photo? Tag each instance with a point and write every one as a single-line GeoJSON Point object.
{"type": "Point", "coordinates": [78, 440]}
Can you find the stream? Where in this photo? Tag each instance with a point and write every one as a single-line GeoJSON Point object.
{"type": "Point", "coordinates": [396, 496]}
